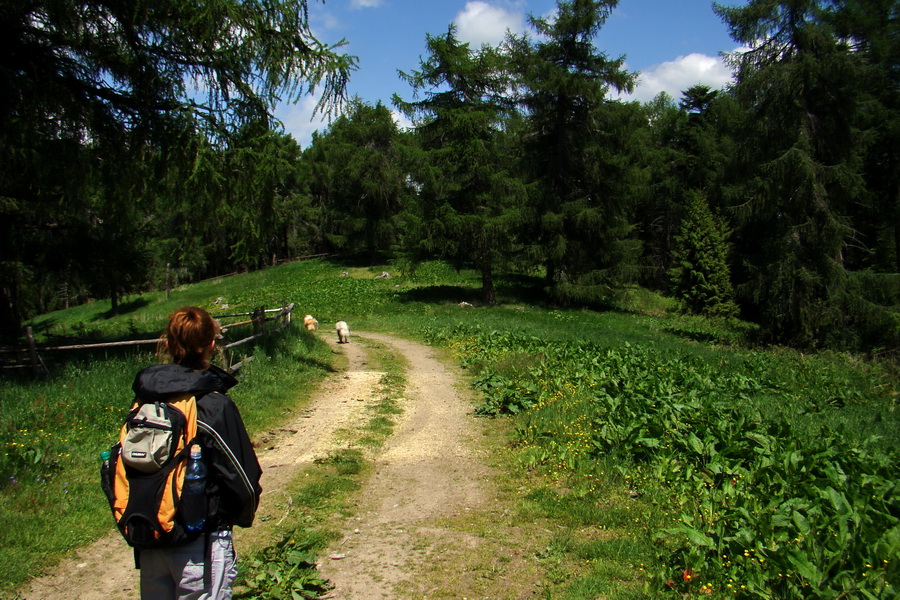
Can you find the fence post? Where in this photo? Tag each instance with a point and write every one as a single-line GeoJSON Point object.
{"type": "Point", "coordinates": [226, 356]}
{"type": "Point", "coordinates": [259, 320]}
{"type": "Point", "coordinates": [32, 351]}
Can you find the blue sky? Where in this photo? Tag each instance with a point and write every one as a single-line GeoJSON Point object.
{"type": "Point", "coordinates": [674, 44]}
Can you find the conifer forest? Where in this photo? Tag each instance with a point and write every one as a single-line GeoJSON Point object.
{"type": "Point", "coordinates": [775, 200]}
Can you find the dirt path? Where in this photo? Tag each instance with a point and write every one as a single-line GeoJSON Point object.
{"type": "Point", "coordinates": [426, 472]}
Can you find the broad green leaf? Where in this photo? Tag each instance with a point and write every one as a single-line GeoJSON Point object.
{"type": "Point", "coordinates": [695, 443]}
{"type": "Point", "coordinates": [696, 536]}
{"type": "Point", "coordinates": [805, 569]}
{"type": "Point", "coordinates": [648, 442]}
{"type": "Point", "coordinates": [801, 522]}
{"type": "Point", "coordinates": [838, 500]}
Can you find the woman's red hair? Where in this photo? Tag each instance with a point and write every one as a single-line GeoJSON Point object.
{"type": "Point", "coordinates": [188, 337]}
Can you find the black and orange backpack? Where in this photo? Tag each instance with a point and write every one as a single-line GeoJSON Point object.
{"type": "Point", "coordinates": [146, 472]}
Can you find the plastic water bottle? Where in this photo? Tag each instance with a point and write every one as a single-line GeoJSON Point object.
{"type": "Point", "coordinates": [193, 494]}
{"type": "Point", "coordinates": [105, 478]}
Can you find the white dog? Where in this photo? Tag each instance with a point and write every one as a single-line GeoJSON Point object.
{"type": "Point", "coordinates": [310, 323]}
{"type": "Point", "coordinates": [343, 332]}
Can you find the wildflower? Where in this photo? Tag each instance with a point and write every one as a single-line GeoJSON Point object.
{"type": "Point", "coordinates": [688, 574]}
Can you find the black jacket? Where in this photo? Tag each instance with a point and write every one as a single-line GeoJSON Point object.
{"type": "Point", "coordinates": [233, 486]}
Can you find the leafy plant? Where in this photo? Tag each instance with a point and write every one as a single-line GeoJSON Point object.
{"type": "Point", "coordinates": [700, 276]}
{"type": "Point", "coordinates": [766, 503]}
{"type": "Point", "coordinates": [286, 569]}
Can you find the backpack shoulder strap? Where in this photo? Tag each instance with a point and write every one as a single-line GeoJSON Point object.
{"type": "Point", "coordinates": [186, 403]}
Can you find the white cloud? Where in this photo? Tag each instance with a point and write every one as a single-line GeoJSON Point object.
{"type": "Point", "coordinates": [299, 122]}
{"type": "Point", "coordinates": [326, 21]}
{"type": "Point", "coordinates": [401, 120]}
{"type": "Point", "coordinates": [483, 23]}
{"type": "Point", "coordinates": [298, 119]}
{"type": "Point", "coordinates": [675, 76]}
{"type": "Point", "coordinates": [365, 3]}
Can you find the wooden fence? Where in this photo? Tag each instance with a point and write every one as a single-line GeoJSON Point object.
{"type": "Point", "coordinates": [32, 356]}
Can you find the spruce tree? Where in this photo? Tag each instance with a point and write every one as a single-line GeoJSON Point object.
{"type": "Point", "coordinates": [700, 275]}
{"type": "Point", "coordinates": [577, 153]}
{"type": "Point", "coordinates": [470, 197]}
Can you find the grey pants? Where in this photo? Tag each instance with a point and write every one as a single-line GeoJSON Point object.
{"type": "Point", "coordinates": [178, 573]}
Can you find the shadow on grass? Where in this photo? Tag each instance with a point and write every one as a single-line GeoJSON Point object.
{"type": "Point", "coordinates": [318, 364]}
{"type": "Point", "coordinates": [123, 309]}
{"type": "Point", "coordinates": [361, 261]}
{"type": "Point", "coordinates": [437, 294]}
{"type": "Point", "coordinates": [42, 325]}
{"type": "Point", "coordinates": [522, 288]}
{"type": "Point", "coordinates": [697, 336]}
{"type": "Point", "coordinates": [508, 290]}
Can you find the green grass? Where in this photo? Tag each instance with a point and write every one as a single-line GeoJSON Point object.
{"type": "Point", "coordinates": [725, 451]}
{"type": "Point", "coordinates": [53, 428]}
{"type": "Point", "coordinates": [286, 568]}
{"type": "Point", "coordinates": [626, 427]}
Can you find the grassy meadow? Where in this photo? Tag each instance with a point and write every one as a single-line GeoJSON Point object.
{"type": "Point", "coordinates": [677, 458]}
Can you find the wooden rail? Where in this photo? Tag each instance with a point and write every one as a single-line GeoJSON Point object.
{"type": "Point", "coordinates": [258, 319]}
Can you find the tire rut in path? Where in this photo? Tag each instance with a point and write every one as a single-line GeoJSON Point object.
{"type": "Point", "coordinates": [104, 570]}
{"type": "Point", "coordinates": [427, 470]}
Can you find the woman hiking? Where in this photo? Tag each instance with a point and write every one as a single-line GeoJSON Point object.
{"type": "Point", "coordinates": [206, 567]}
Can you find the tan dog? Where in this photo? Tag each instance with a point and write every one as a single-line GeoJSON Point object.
{"type": "Point", "coordinates": [343, 332]}
{"type": "Point", "coordinates": [310, 323]}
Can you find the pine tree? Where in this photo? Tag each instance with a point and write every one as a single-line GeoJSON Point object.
{"type": "Point", "coordinates": [700, 276]}
{"type": "Point", "coordinates": [685, 155]}
{"type": "Point", "coordinates": [361, 162]}
{"type": "Point", "coordinates": [872, 27]}
{"type": "Point", "coordinates": [799, 87]}
{"type": "Point", "coordinates": [577, 153]}
{"type": "Point", "coordinates": [90, 85]}
{"type": "Point", "coordinates": [469, 195]}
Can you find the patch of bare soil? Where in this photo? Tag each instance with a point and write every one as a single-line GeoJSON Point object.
{"type": "Point", "coordinates": [414, 515]}
{"type": "Point", "coordinates": [426, 471]}
{"type": "Point", "coordinates": [105, 569]}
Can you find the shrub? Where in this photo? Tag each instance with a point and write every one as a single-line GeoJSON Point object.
{"type": "Point", "coordinates": [701, 277]}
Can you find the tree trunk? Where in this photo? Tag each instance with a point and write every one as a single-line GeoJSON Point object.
{"type": "Point", "coordinates": [550, 274]}
{"type": "Point", "coordinates": [487, 285]}
{"type": "Point", "coordinates": [10, 324]}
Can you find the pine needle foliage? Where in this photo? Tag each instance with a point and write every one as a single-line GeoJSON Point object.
{"type": "Point", "coordinates": [577, 151]}
{"type": "Point", "coordinates": [701, 277]}
{"type": "Point", "coordinates": [470, 200]}
{"type": "Point", "coordinates": [799, 85]}
{"type": "Point", "coordinates": [99, 91]}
